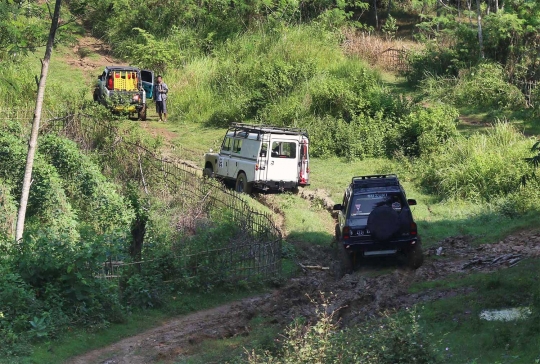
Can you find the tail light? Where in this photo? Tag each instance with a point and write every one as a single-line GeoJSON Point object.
{"type": "Point", "coordinates": [257, 166]}
{"type": "Point", "coordinates": [414, 230]}
{"type": "Point", "coordinates": [346, 232]}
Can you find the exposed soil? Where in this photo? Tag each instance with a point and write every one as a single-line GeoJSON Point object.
{"type": "Point", "coordinates": [91, 54]}
{"type": "Point", "coordinates": [376, 285]}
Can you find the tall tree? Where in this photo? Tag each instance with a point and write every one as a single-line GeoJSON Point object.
{"type": "Point", "coordinates": [32, 145]}
{"type": "Point", "coordinates": [480, 36]}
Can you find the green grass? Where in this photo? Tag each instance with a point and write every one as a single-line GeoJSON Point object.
{"type": "Point", "coordinates": [305, 221]}
{"type": "Point", "coordinates": [460, 332]}
{"type": "Point", "coordinates": [80, 341]}
{"type": "Point", "coordinates": [190, 141]}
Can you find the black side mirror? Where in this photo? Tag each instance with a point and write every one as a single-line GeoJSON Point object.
{"type": "Point", "coordinates": [411, 202]}
{"type": "Point", "coordinates": [338, 207]}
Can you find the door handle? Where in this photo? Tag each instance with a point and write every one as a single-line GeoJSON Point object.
{"type": "Point", "coordinates": [272, 163]}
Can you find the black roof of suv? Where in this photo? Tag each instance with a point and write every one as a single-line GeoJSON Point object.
{"type": "Point", "coordinates": [375, 219]}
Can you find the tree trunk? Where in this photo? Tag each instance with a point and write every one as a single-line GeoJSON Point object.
{"type": "Point", "coordinates": [470, 11]}
{"type": "Point", "coordinates": [27, 181]}
{"type": "Point", "coordinates": [496, 6]}
{"type": "Point", "coordinates": [138, 230]}
{"type": "Point", "coordinates": [438, 14]}
{"type": "Point", "coordinates": [459, 9]}
{"type": "Point", "coordinates": [480, 37]}
{"type": "Point", "coordinates": [389, 6]}
{"type": "Point", "coordinates": [376, 15]}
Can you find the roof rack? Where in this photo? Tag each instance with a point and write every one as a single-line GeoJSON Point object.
{"type": "Point", "coordinates": [380, 180]}
{"type": "Point", "coordinates": [375, 176]}
{"type": "Point", "coordinates": [263, 129]}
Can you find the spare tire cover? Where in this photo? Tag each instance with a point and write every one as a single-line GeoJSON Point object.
{"type": "Point", "coordinates": [383, 223]}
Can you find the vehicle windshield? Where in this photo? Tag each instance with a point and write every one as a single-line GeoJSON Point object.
{"type": "Point", "coordinates": [362, 205]}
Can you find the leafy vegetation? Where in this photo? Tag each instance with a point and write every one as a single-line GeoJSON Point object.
{"type": "Point", "coordinates": [281, 63]}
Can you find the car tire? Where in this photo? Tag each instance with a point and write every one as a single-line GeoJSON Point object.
{"type": "Point", "coordinates": [383, 223]}
{"type": "Point", "coordinates": [242, 184]}
{"type": "Point", "coordinates": [415, 256]}
{"type": "Point", "coordinates": [96, 95]}
{"type": "Point", "coordinates": [345, 260]}
{"type": "Point", "coordinates": [142, 113]}
{"type": "Point", "coordinates": [208, 172]}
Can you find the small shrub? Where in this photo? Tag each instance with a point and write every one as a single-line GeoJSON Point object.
{"type": "Point", "coordinates": [396, 338]}
{"type": "Point", "coordinates": [485, 86]}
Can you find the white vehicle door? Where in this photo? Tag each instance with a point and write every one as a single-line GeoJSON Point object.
{"type": "Point", "coordinates": [224, 157]}
{"type": "Point", "coordinates": [283, 164]}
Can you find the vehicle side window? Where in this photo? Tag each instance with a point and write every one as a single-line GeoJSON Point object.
{"type": "Point", "coordinates": [344, 204]}
{"type": "Point", "coordinates": [226, 146]}
{"type": "Point", "coordinates": [264, 150]}
{"type": "Point", "coordinates": [237, 146]}
{"type": "Point", "coordinates": [284, 149]}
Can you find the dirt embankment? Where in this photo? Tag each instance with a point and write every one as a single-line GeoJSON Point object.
{"type": "Point", "coordinates": [375, 286]}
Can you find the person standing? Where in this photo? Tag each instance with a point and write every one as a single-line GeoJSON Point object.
{"type": "Point", "coordinates": [160, 97]}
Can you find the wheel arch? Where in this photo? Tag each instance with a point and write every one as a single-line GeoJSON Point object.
{"type": "Point", "coordinates": [244, 172]}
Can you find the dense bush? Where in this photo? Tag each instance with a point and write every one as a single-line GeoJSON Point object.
{"type": "Point", "coordinates": [48, 284]}
{"type": "Point", "coordinates": [483, 86]}
{"type": "Point", "coordinates": [69, 193]}
{"type": "Point", "coordinates": [481, 168]}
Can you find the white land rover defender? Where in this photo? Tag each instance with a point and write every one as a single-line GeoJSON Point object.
{"type": "Point", "coordinates": [260, 156]}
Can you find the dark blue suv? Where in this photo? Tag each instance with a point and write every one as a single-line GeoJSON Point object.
{"type": "Point", "coordinates": [375, 219]}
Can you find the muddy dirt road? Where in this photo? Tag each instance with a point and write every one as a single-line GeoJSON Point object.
{"type": "Point", "coordinates": [376, 285]}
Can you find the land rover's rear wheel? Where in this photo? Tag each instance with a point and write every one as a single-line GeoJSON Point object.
{"type": "Point", "coordinates": [207, 172]}
{"type": "Point", "coordinates": [142, 113]}
{"type": "Point", "coordinates": [415, 256]}
{"type": "Point", "coordinates": [242, 185]}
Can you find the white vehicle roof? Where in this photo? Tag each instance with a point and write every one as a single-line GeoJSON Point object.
{"type": "Point", "coordinates": [237, 128]}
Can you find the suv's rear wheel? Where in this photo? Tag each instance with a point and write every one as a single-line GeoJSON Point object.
{"type": "Point", "coordinates": [345, 260]}
{"type": "Point", "coordinates": [415, 256]}
{"type": "Point", "coordinates": [242, 185]}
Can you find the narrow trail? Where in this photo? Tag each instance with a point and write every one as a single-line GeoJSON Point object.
{"type": "Point", "coordinates": [172, 340]}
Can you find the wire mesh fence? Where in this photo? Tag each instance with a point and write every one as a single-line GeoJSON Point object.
{"type": "Point", "coordinates": [254, 252]}
{"type": "Point", "coordinates": [395, 58]}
